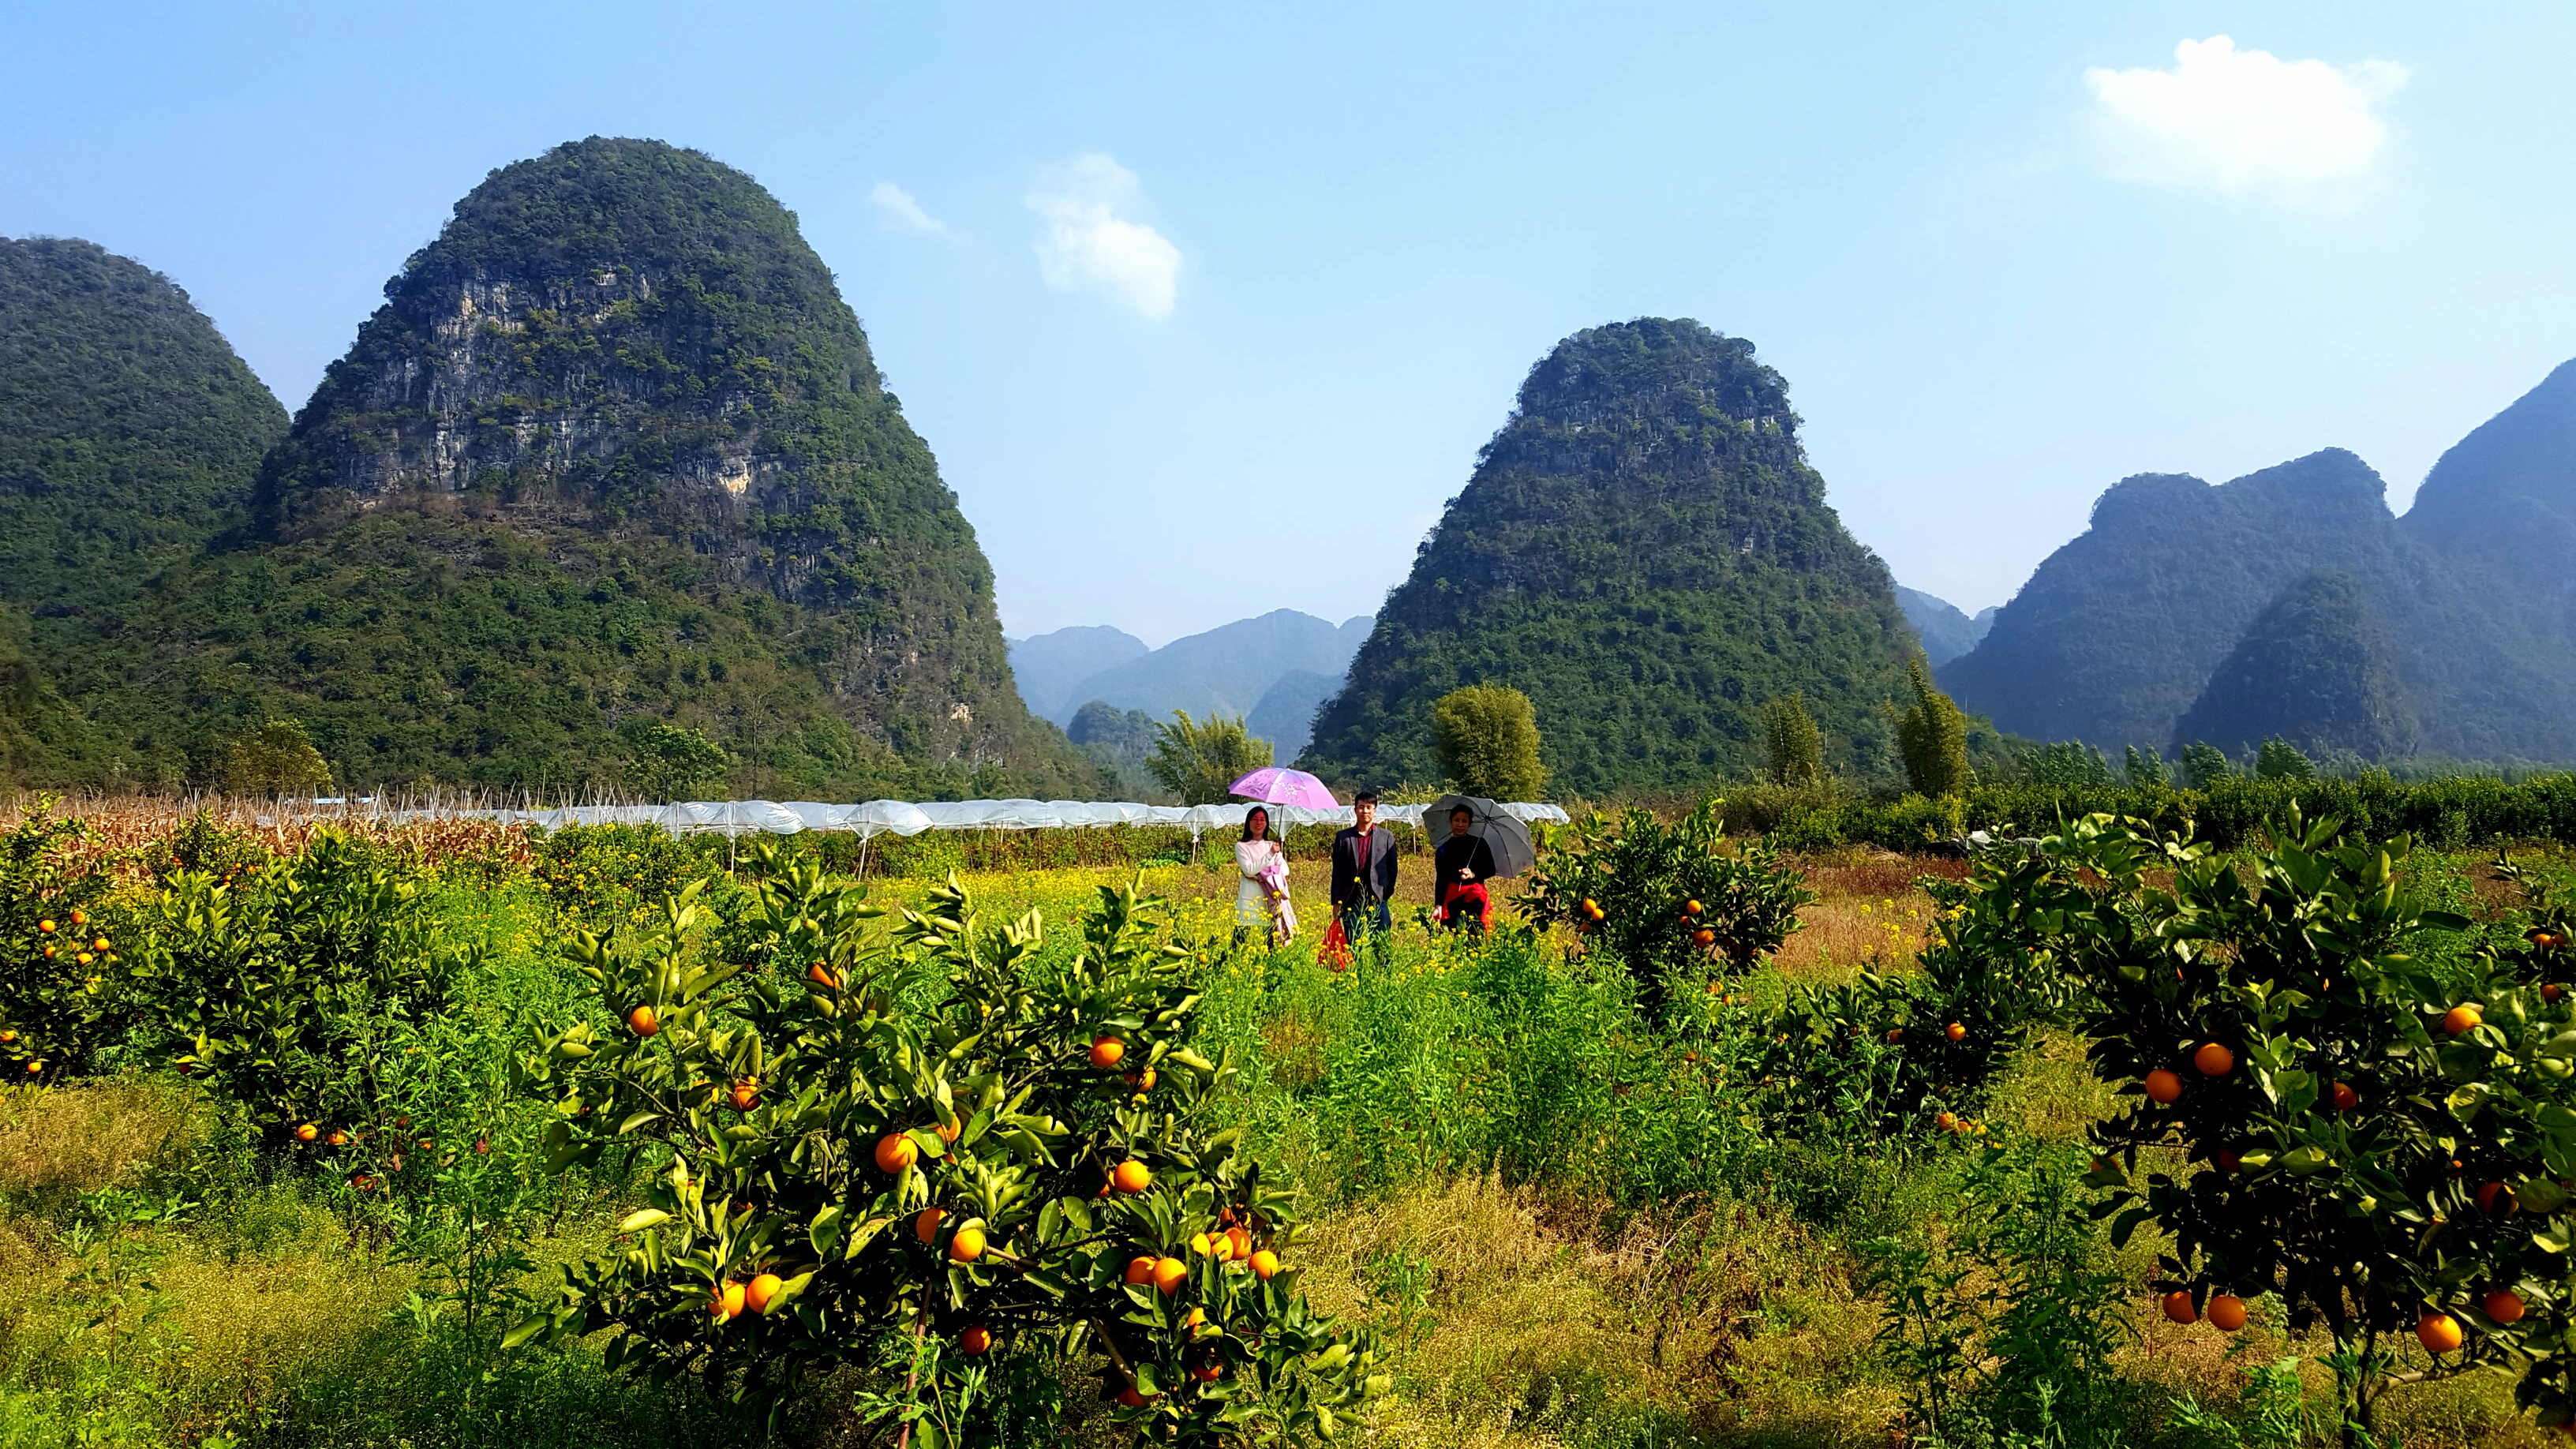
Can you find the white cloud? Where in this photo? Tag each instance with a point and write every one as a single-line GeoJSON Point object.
{"type": "Point", "coordinates": [2242, 120]}
{"type": "Point", "coordinates": [1088, 244]}
{"type": "Point", "coordinates": [903, 211]}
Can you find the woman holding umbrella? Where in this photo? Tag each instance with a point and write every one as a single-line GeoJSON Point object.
{"type": "Point", "coordinates": [1473, 840]}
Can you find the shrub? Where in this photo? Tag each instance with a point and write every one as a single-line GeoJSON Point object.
{"type": "Point", "coordinates": [57, 949]}
{"type": "Point", "coordinates": [1486, 737]}
{"type": "Point", "coordinates": [275, 759]}
{"type": "Point", "coordinates": [1667, 902]}
{"type": "Point", "coordinates": [926, 1154]}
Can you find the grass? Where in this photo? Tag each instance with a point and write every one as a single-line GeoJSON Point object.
{"type": "Point", "coordinates": [1573, 1235]}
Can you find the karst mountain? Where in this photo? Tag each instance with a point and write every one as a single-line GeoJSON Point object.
{"type": "Point", "coordinates": [613, 449]}
{"type": "Point", "coordinates": [1644, 550]}
{"type": "Point", "coordinates": [2292, 603]}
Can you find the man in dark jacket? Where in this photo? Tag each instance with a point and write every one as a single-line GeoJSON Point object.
{"type": "Point", "coordinates": [1363, 870]}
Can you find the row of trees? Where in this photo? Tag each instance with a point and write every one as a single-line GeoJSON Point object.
{"type": "Point", "coordinates": [1487, 737]}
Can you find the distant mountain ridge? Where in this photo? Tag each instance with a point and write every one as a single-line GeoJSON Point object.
{"type": "Point", "coordinates": [1946, 631]}
{"type": "Point", "coordinates": [1273, 669]}
{"type": "Point", "coordinates": [2292, 601]}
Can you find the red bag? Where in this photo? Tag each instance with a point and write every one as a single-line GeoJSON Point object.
{"type": "Point", "coordinates": [1468, 896]}
{"type": "Point", "coordinates": [1336, 950]}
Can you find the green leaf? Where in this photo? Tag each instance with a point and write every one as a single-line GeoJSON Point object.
{"type": "Point", "coordinates": [636, 1222]}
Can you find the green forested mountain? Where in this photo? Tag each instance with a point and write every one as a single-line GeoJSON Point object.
{"type": "Point", "coordinates": [613, 448]}
{"type": "Point", "coordinates": [2317, 668]}
{"type": "Point", "coordinates": [1645, 552]}
{"type": "Point", "coordinates": [129, 437]}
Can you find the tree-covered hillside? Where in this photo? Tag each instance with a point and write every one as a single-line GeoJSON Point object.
{"type": "Point", "coordinates": [1644, 551]}
{"type": "Point", "coordinates": [613, 448]}
{"type": "Point", "coordinates": [2317, 668]}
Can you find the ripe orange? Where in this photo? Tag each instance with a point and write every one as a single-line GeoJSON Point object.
{"type": "Point", "coordinates": [975, 1342]}
{"type": "Point", "coordinates": [966, 1245]}
{"type": "Point", "coordinates": [1196, 1321]}
{"type": "Point", "coordinates": [2345, 1098]}
{"type": "Point", "coordinates": [2164, 1087]}
{"type": "Point", "coordinates": [1128, 1398]}
{"type": "Point", "coordinates": [339, 1139]}
{"type": "Point", "coordinates": [2438, 1332]}
{"type": "Point", "coordinates": [758, 1294]}
{"type": "Point", "coordinates": [7, 1037]}
{"type": "Point", "coordinates": [726, 1303]}
{"type": "Point", "coordinates": [2178, 1307]}
{"type": "Point", "coordinates": [2496, 1200]}
{"type": "Point", "coordinates": [823, 976]}
{"type": "Point", "coordinates": [2229, 1160]}
{"type": "Point", "coordinates": [2226, 1312]}
{"type": "Point", "coordinates": [1131, 1176]}
{"type": "Point", "coordinates": [2503, 1305]}
{"type": "Point", "coordinates": [1240, 1242]}
{"type": "Point", "coordinates": [45, 928]}
{"type": "Point", "coordinates": [1946, 1122]}
{"type": "Point", "coordinates": [1690, 908]}
{"type": "Point", "coordinates": [1264, 1264]}
{"type": "Point", "coordinates": [307, 1132]}
{"type": "Point", "coordinates": [643, 1021]}
{"type": "Point", "coordinates": [34, 1067]}
{"type": "Point", "coordinates": [1896, 1033]}
{"type": "Point", "coordinates": [948, 1131]}
{"type": "Point", "coordinates": [2462, 1018]}
{"type": "Point", "coordinates": [1141, 1081]}
{"type": "Point", "coordinates": [1169, 1275]}
{"type": "Point", "coordinates": [1140, 1269]}
{"type": "Point", "coordinates": [925, 1225]}
{"type": "Point", "coordinates": [80, 918]}
{"type": "Point", "coordinates": [897, 1151]}
{"type": "Point", "coordinates": [745, 1095]}
{"type": "Point", "coordinates": [2551, 991]}
{"type": "Point", "coordinates": [1209, 1372]}
{"type": "Point", "coordinates": [1955, 1031]}
{"type": "Point", "coordinates": [2213, 1060]}
{"type": "Point", "coordinates": [1107, 1052]}
{"type": "Point", "coordinates": [1703, 937]}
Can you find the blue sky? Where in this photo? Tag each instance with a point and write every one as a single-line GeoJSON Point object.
{"type": "Point", "coordinates": [1206, 310]}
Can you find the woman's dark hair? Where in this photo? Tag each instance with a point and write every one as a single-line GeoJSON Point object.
{"type": "Point", "coordinates": [1265, 822]}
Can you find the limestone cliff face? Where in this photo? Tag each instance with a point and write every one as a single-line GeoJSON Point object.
{"type": "Point", "coordinates": [623, 356]}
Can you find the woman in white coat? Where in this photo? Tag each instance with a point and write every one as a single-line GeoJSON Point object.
{"type": "Point", "coordinates": [1262, 897]}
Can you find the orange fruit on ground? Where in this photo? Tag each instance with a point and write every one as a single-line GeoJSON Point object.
{"type": "Point", "coordinates": [2177, 1305]}
{"type": "Point", "coordinates": [2495, 1200]}
{"type": "Point", "coordinates": [307, 1132]}
{"type": "Point", "coordinates": [2438, 1332]}
{"type": "Point", "coordinates": [1240, 1241]}
{"type": "Point", "coordinates": [760, 1292]}
{"type": "Point", "coordinates": [975, 1342]}
{"type": "Point", "coordinates": [925, 1225]}
{"type": "Point", "coordinates": [2345, 1098]}
{"type": "Point", "coordinates": [2503, 1305]}
{"type": "Point", "coordinates": [726, 1303]}
{"type": "Point", "coordinates": [1955, 1031]}
{"type": "Point", "coordinates": [2227, 1313]}
{"type": "Point", "coordinates": [1107, 1052]}
{"type": "Point", "coordinates": [2213, 1060]}
{"type": "Point", "coordinates": [966, 1245]}
{"type": "Point", "coordinates": [2164, 1087]}
{"type": "Point", "coordinates": [1131, 1176]}
{"type": "Point", "coordinates": [2462, 1019]}
{"type": "Point", "coordinates": [1140, 1270]}
{"type": "Point", "coordinates": [897, 1151]}
{"type": "Point", "coordinates": [1264, 1264]}
{"type": "Point", "coordinates": [643, 1021]}
{"type": "Point", "coordinates": [1169, 1275]}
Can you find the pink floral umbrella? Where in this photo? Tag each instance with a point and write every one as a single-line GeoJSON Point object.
{"type": "Point", "coordinates": [1278, 786]}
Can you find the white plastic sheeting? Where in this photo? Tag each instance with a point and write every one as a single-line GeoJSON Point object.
{"type": "Point", "coordinates": [897, 817]}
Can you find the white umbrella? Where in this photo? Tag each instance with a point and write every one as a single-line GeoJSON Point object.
{"type": "Point", "coordinates": [1503, 833]}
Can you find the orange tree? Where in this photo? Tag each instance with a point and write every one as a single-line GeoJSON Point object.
{"type": "Point", "coordinates": [1667, 902]}
{"type": "Point", "coordinates": [938, 1148]}
{"type": "Point", "coordinates": [2373, 1112]}
{"type": "Point", "coordinates": [57, 950]}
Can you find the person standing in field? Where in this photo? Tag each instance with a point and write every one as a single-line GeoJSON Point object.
{"type": "Point", "coordinates": [1460, 868]}
{"type": "Point", "coordinates": [1363, 870]}
{"type": "Point", "coordinates": [1262, 898]}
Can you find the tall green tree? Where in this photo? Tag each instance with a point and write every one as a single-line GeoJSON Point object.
{"type": "Point", "coordinates": [2143, 768]}
{"type": "Point", "coordinates": [2204, 764]}
{"type": "Point", "coordinates": [667, 762]}
{"type": "Point", "coordinates": [1931, 736]}
{"type": "Point", "coordinates": [2281, 760]}
{"type": "Point", "coordinates": [1196, 760]}
{"type": "Point", "coordinates": [1486, 736]}
{"type": "Point", "coordinates": [275, 759]}
{"type": "Point", "coordinates": [1794, 747]}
